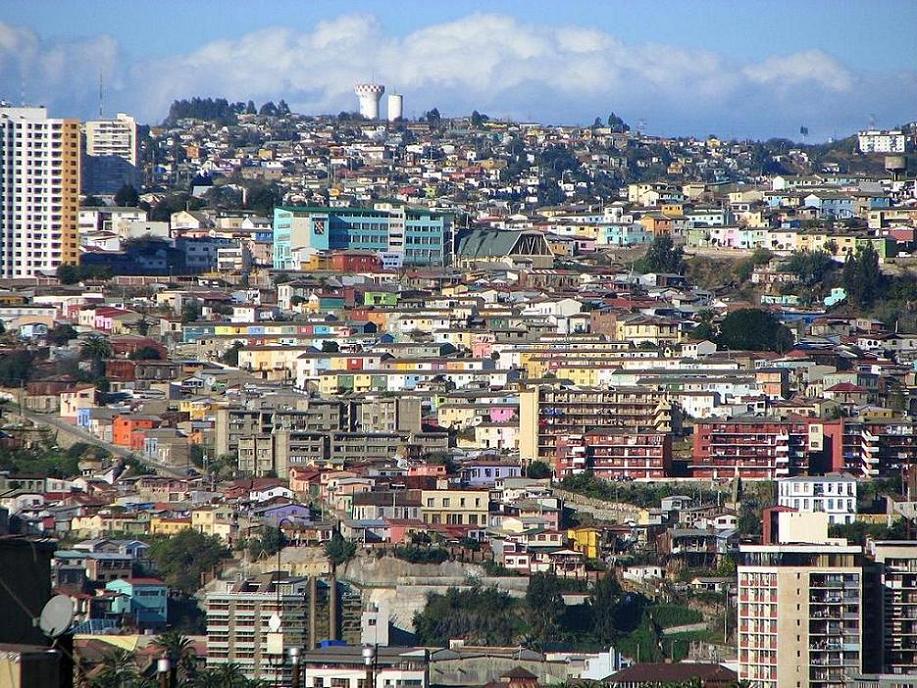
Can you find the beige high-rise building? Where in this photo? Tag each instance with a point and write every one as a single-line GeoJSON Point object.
{"type": "Point", "coordinates": [117, 137]}
{"type": "Point", "coordinates": [800, 607]}
{"type": "Point", "coordinates": [39, 191]}
{"type": "Point", "coordinates": [112, 154]}
{"type": "Point", "coordinates": [897, 571]}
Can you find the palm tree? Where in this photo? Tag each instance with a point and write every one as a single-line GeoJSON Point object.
{"type": "Point", "coordinates": [118, 671]}
{"type": "Point", "coordinates": [224, 676]}
{"type": "Point", "coordinates": [96, 346]}
{"type": "Point", "coordinates": [180, 650]}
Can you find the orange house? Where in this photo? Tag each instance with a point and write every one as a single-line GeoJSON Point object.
{"type": "Point", "coordinates": [657, 223]}
{"type": "Point", "coordinates": [127, 431]}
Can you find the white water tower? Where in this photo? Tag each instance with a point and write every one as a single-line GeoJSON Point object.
{"type": "Point", "coordinates": [395, 107]}
{"type": "Point", "coordinates": [369, 96]}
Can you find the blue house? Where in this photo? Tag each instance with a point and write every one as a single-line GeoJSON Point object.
{"type": "Point", "coordinates": [295, 513]}
{"type": "Point", "coordinates": [142, 601]}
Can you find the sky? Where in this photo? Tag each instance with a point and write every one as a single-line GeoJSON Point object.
{"type": "Point", "coordinates": [746, 68]}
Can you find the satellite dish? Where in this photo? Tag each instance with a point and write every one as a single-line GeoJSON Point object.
{"type": "Point", "coordinates": [274, 623]}
{"type": "Point", "coordinates": [56, 616]}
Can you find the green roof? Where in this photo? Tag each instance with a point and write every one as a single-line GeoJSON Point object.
{"type": "Point", "coordinates": [484, 243]}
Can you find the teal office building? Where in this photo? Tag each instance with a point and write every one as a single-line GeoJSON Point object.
{"type": "Point", "coordinates": [400, 235]}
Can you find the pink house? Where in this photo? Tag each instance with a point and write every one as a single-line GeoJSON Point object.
{"type": "Point", "coordinates": [502, 414]}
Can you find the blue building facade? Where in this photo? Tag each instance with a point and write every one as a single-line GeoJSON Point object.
{"type": "Point", "coordinates": [145, 601]}
{"type": "Point", "coordinates": [416, 236]}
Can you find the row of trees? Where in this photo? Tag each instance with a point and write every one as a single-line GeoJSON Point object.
{"type": "Point", "coordinates": [487, 616]}
{"type": "Point", "coordinates": [221, 110]}
{"type": "Point", "coordinates": [119, 668]}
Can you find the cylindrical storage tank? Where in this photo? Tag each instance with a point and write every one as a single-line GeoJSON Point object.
{"type": "Point", "coordinates": [369, 96]}
{"type": "Point", "coordinates": [395, 107]}
{"type": "Point", "coordinates": [893, 163]}
{"type": "Point", "coordinates": [897, 165]}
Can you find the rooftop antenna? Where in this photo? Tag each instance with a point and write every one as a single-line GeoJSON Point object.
{"type": "Point", "coordinates": [100, 94]}
{"type": "Point", "coordinates": [872, 121]}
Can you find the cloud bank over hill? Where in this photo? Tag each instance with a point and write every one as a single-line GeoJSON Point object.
{"type": "Point", "coordinates": [490, 62]}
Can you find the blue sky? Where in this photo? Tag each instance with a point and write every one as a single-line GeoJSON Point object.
{"type": "Point", "coordinates": [747, 68]}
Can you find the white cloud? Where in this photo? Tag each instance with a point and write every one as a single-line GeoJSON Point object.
{"type": "Point", "coordinates": [491, 62]}
{"type": "Point", "coordinates": [809, 67]}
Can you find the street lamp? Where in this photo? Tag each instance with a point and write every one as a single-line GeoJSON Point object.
{"type": "Point", "coordinates": [370, 653]}
{"type": "Point", "coordinates": [163, 669]}
{"type": "Point", "coordinates": [294, 661]}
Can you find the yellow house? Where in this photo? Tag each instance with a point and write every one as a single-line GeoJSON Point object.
{"type": "Point", "coordinates": [215, 521]}
{"type": "Point", "coordinates": [640, 329]}
{"type": "Point", "coordinates": [585, 540]}
{"type": "Point", "coordinates": [98, 525]}
{"type": "Point", "coordinates": [76, 398]}
{"type": "Point", "coordinates": [197, 408]}
{"type": "Point", "coordinates": [582, 374]}
{"type": "Point", "coordinates": [168, 526]}
{"type": "Point", "coordinates": [455, 507]}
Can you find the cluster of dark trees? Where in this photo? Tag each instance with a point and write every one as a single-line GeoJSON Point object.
{"type": "Point", "coordinates": [221, 110]}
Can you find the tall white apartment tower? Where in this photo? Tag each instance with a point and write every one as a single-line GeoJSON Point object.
{"type": "Point", "coordinates": [111, 154]}
{"type": "Point", "coordinates": [39, 191]}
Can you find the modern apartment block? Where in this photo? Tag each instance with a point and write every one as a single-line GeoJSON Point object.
{"type": "Point", "coordinates": [879, 141]}
{"type": "Point", "coordinates": [763, 448]}
{"type": "Point", "coordinates": [896, 568]}
{"type": "Point", "coordinates": [111, 155]}
{"type": "Point", "coordinates": [750, 449]}
{"type": "Point", "coordinates": [547, 414]}
{"type": "Point", "coordinates": [800, 606]}
{"type": "Point", "coordinates": [834, 495]}
{"type": "Point", "coordinates": [39, 191]}
{"type": "Point", "coordinates": [399, 235]}
{"type": "Point", "coordinates": [310, 610]}
{"type": "Point", "coordinates": [615, 455]}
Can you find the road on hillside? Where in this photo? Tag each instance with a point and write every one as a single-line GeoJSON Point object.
{"type": "Point", "coordinates": [85, 436]}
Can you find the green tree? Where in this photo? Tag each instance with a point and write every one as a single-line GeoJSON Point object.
{"type": "Point", "coordinates": [538, 470]}
{"type": "Point", "coordinates": [617, 124]}
{"type": "Point", "coordinates": [603, 606]}
{"type": "Point", "coordinates": [545, 606]}
{"type": "Point", "coordinates": [127, 197]}
{"type": "Point", "coordinates": [267, 542]}
{"type": "Point", "coordinates": [91, 201]}
{"type": "Point", "coordinates": [61, 333]}
{"type": "Point", "coordinates": [191, 311]}
{"type": "Point", "coordinates": [146, 353]}
{"type": "Point", "coordinates": [180, 651]}
{"type": "Point", "coordinates": [118, 670]}
{"type": "Point", "coordinates": [810, 267]}
{"type": "Point", "coordinates": [68, 274]}
{"type": "Point", "coordinates": [182, 559]}
{"type": "Point", "coordinates": [662, 256]}
{"type": "Point", "coordinates": [16, 367]}
{"type": "Point", "coordinates": [752, 329]}
{"type": "Point", "coordinates": [330, 347]}
{"type": "Point", "coordinates": [96, 348]}
{"type": "Point", "coordinates": [263, 198]}
{"type": "Point", "coordinates": [338, 550]}
{"type": "Point", "coordinates": [231, 356]}
{"type": "Point", "coordinates": [867, 282]}
{"type": "Point", "coordinates": [481, 616]}
{"type": "Point", "coordinates": [250, 108]}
